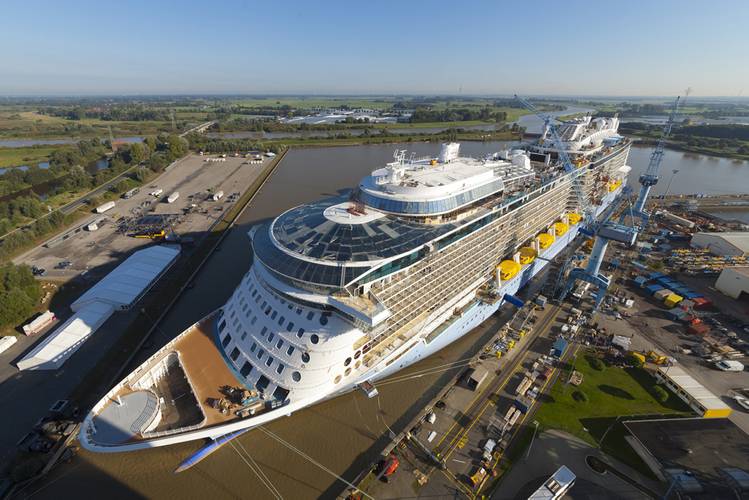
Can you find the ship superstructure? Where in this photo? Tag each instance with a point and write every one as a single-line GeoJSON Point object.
{"type": "Point", "coordinates": [347, 290]}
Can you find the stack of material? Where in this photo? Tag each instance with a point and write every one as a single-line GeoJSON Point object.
{"type": "Point", "coordinates": [662, 294]}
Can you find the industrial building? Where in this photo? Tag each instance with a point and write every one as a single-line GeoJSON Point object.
{"type": "Point", "coordinates": [698, 397]}
{"type": "Point", "coordinates": [119, 290]}
{"type": "Point", "coordinates": [733, 281]}
{"type": "Point", "coordinates": [734, 244]}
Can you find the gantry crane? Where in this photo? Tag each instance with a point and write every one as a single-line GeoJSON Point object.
{"type": "Point", "coordinates": [603, 232]}
{"type": "Point", "coordinates": [650, 177]}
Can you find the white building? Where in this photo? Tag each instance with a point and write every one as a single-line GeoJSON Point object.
{"type": "Point", "coordinates": [733, 280]}
{"type": "Point", "coordinates": [729, 243]}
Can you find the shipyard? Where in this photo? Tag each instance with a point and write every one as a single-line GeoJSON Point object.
{"type": "Point", "coordinates": [353, 251]}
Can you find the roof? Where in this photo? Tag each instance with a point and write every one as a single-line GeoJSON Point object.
{"type": "Point", "coordinates": [739, 239]}
{"type": "Point", "coordinates": [58, 346]}
{"type": "Point", "coordinates": [740, 270]}
{"type": "Point", "coordinates": [129, 280]}
{"type": "Point", "coordinates": [694, 389]}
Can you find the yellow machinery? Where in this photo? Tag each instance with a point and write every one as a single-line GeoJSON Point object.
{"type": "Point", "coordinates": [560, 228]}
{"type": "Point", "coordinates": [613, 186]}
{"type": "Point", "coordinates": [527, 255]}
{"type": "Point", "coordinates": [508, 269]}
{"type": "Point", "coordinates": [574, 218]}
{"type": "Point", "coordinates": [639, 356]}
{"type": "Point", "coordinates": [656, 358]}
{"type": "Point", "coordinates": [153, 236]}
{"type": "Point", "coordinates": [545, 240]}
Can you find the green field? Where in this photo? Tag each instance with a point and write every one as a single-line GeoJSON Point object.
{"type": "Point", "coordinates": [613, 394]}
{"type": "Point", "coordinates": [13, 157]}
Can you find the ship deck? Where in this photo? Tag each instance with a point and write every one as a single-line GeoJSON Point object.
{"type": "Point", "coordinates": [186, 378]}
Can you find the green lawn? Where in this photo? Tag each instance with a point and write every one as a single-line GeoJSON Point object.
{"type": "Point", "coordinates": [13, 157]}
{"type": "Point", "coordinates": [611, 393]}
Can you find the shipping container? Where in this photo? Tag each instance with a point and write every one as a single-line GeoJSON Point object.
{"type": "Point", "coordinates": [106, 206]}
{"type": "Point", "coordinates": [172, 197]}
{"type": "Point", "coordinates": [39, 323]}
{"type": "Point", "coordinates": [6, 342]}
{"type": "Point", "coordinates": [217, 196]}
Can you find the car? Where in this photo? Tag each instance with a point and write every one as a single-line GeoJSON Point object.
{"type": "Point", "coordinates": [742, 401]}
{"type": "Point", "coordinates": [728, 365]}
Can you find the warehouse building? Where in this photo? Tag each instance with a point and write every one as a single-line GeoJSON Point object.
{"type": "Point", "coordinates": [734, 244]}
{"type": "Point", "coordinates": [698, 397]}
{"type": "Point", "coordinates": [733, 281]}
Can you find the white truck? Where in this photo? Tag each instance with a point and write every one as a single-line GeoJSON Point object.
{"type": "Point", "coordinates": [172, 197]}
{"type": "Point", "coordinates": [103, 208]}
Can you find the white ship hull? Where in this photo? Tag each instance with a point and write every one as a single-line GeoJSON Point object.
{"type": "Point", "coordinates": [409, 353]}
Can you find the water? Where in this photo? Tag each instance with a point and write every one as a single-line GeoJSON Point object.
{"type": "Point", "coordinates": [43, 165]}
{"type": "Point", "coordinates": [661, 120]}
{"type": "Point", "coordinates": [735, 214]}
{"type": "Point", "coordinates": [25, 143]}
{"type": "Point", "coordinates": [697, 173]}
{"type": "Point", "coordinates": [319, 134]}
{"type": "Point", "coordinates": [342, 433]}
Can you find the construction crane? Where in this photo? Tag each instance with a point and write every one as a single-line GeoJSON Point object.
{"type": "Point", "coordinates": [603, 232]}
{"type": "Point", "coordinates": [650, 177]}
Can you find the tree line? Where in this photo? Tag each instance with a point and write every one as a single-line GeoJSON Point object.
{"type": "Point", "coordinates": [19, 294]}
{"type": "Point", "coordinates": [424, 115]}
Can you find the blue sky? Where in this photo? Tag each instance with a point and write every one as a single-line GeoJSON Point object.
{"type": "Point", "coordinates": [634, 47]}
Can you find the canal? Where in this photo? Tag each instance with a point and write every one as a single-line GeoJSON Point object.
{"type": "Point", "coordinates": [345, 434]}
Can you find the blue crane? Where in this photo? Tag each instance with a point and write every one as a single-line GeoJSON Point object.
{"type": "Point", "coordinates": [603, 231]}
{"type": "Point", "coordinates": [650, 177]}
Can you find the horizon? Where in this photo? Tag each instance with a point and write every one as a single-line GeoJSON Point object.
{"type": "Point", "coordinates": [338, 49]}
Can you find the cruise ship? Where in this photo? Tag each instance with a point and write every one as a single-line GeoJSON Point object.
{"type": "Point", "coordinates": [348, 290]}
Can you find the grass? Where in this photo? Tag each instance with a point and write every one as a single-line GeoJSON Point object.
{"type": "Point", "coordinates": [612, 393]}
{"type": "Point", "coordinates": [14, 157]}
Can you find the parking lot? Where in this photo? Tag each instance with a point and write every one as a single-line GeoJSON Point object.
{"type": "Point", "coordinates": [80, 251]}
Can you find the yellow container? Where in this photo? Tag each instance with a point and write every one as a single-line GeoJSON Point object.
{"type": "Point", "coordinates": [545, 240]}
{"type": "Point", "coordinates": [560, 228]}
{"type": "Point", "coordinates": [527, 255]}
{"type": "Point", "coordinates": [508, 269]}
{"type": "Point", "coordinates": [672, 299]}
{"type": "Point", "coordinates": [574, 218]}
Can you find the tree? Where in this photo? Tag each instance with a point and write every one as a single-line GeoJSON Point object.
{"type": "Point", "coordinates": [19, 293]}
{"type": "Point", "coordinates": [137, 153]}
{"type": "Point", "coordinates": [660, 394]}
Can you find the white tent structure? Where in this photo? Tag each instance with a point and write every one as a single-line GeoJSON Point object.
{"type": "Point", "coordinates": [119, 290]}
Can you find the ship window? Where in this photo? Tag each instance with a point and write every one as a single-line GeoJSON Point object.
{"type": "Point", "coordinates": [254, 320]}
{"type": "Point", "coordinates": [280, 393]}
{"type": "Point", "coordinates": [290, 326]}
{"type": "Point", "coordinates": [347, 372]}
{"type": "Point", "coordinates": [281, 321]}
{"type": "Point", "coordinates": [314, 338]}
{"type": "Point", "coordinates": [244, 335]}
{"type": "Point", "coordinates": [260, 354]}
{"type": "Point", "coordinates": [271, 336]}
{"type": "Point", "coordinates": [279, 368]}
{"type": "Point", "coordinates": [337, 379]}
{"type": "Point", "coordinates": [299, 310]}
{"type": "Point", "coordinates": [279, 344]}
{"type": "Point", "coordinates": [290, 306]}
{"type": "Point", "coordinates": [296, 376]}
{"type": "Point", "coordinates": [273, 316]}
{"type": "Point", "coordinates": [244, 307]}
{"type": "Point", "coordinates": [305, 357]}
{"type": "Point", "coordinates": [358, 353]}
{"type": "Point", "coordinates": [257, 299]}
{"type": "Point", "coordinates": [262, 306]}
{"type": "Point", "coordinates": [234, 354]}
{"type": "Point", "coordinates": [310, 315]}
{"type": "Point", "coordinates": [253, 347]}
{"type": "Point", "coordinates": [283, 301]}
{"type": "Point", "coordinates": [357, 364]}
{"type": "Point", "coordinates": [226, 340]}
{"type": "Point", "coordinates": [262, 383]}
{"type": "Point", "coordinates": [300, 333]}
{"type": "Point", "coordinates": [268, 310]}
{"type": "Point", "coordinates": [254, 292]}
{"type": "Point", "coordinates": [221, 326]}
{"type": "Point", "coordinates": [290, 350]}
{"type": "Point", "coordinates": [269, 361]}
{"type": "Point", "coordinates": [323, 319]}
{"type": "Point", "coordinates": [246, 369]}
{"type": "Point", "coordinates": [347, 362]}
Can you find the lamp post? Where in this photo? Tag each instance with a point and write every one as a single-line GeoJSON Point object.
{"type": "Point", "coordinates": [535, 430]}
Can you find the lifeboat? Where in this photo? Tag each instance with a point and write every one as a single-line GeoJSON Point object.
{"type": "Point", "coordinates": [545, 240]}
{"type": "Point", "coordinates": [508, 269]}
{"type": "Point", "coordinates": [613, 186]}
{"type": "Point", "coordinates": [574, 218]}
{"type": "Point", "coordinates": [560, 228]}
{"type": "Point", "coordinates": [527, 255]}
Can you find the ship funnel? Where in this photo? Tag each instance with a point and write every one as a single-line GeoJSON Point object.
{"type": "Point", "coordinates": [449, 152]}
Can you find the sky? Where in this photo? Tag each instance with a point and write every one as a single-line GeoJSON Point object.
{"type": "Point", "coordinates": [602, 48]}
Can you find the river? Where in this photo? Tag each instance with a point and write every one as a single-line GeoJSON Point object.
{"type": "Point", "coordinates": [345, 433]}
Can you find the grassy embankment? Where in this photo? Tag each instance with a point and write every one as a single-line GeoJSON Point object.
{"type": "Point", "coordinates": [610, 395]}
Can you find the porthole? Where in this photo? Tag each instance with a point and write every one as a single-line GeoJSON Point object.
{"type": "Point", "coordinates": [305, 357]}
{"type": "Point", "coordinates": [347, 362]}
{"type": "Point", "coordinates": [337, 379]}
{"type": "Point", "coordinates": [357, 364]}
{"type": "Point", "coordinates": [357, 354]}
{"type": "Point", "coordinates": [347, 372]}
{"type": "Point", "coordinates": [296, 376]}
{"type": "Point", "coordinates": [323, 319]}
{"type": "Point", "coordinates": [314, 338]}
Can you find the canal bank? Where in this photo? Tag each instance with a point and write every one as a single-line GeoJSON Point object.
{"type": "Point", "coordinates": [343, 433]}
